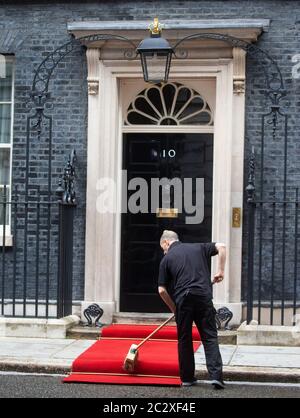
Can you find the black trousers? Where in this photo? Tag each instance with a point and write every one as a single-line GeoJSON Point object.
{"type": "Point", "coordinates": [201, 311]}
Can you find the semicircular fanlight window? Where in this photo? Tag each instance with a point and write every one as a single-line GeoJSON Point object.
{"type": "Point", "coordinates": [169, 104]}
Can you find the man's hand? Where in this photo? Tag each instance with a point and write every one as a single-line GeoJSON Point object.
{"type": "Point", "coordinates": [166, 298]}
{"type": "Point", "coordinates": [221, 248]}
{"type": "Point", "coordinates": [219, 277]}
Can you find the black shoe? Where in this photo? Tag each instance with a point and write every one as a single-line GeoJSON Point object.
{"type": "Point", "coordinates": [192, 383]}
{"type": "Point", "coordinates": [218, 384]}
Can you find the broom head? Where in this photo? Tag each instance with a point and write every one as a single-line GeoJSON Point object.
{"type": "Point", "coordinates": [131, 359]}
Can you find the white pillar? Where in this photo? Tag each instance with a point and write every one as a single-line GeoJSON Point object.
{"type": "Point", "coordinates": [237, 181]}
{"type": "Point", "coordinates": [100, 243]}
{"type": "Point", "coordinates": [228, 188]}
{"type": "Point", "coordinates": [222, 175]}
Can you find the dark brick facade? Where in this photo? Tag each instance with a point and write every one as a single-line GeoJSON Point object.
{"type": "Point", "coordinates": [32, 29]}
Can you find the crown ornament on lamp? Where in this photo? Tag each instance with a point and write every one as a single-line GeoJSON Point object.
{"type": "Point", "coordinates": [155, 27]}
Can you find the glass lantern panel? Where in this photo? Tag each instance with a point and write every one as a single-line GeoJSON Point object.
{"type": "Point", "coordinates": [156, 66]}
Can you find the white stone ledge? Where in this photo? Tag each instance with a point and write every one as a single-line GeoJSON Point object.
{"type": "Point", "coordinates": [37, 328]}
{"type": "Point", "coordinates": [268, 335]}
{"type": "Point", "coordinates": [262, 24]}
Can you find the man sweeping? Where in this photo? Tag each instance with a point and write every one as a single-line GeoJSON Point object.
{"type": "Point", "coordinates": [185, 285]}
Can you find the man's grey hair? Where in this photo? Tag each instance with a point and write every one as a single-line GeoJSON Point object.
{"type": "Point", "coordinates": [169, 236]}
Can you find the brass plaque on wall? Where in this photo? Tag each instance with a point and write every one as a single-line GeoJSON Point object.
{"type": "Point", "coordinates": [167, 213]}
{"type": "Point", "coordinates": [236, 217]}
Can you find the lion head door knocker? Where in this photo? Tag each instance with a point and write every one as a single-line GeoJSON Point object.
{"type": "Point", "coordinates": [93, 311]}
{"type": "Point", "coordinates": [223, 315]}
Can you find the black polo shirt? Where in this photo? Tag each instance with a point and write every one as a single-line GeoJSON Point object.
{"type": "Point", "coordinates": [186, 267]}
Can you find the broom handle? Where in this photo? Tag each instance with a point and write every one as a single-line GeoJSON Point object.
{"type": "Point", "coordinates": [155, 331]}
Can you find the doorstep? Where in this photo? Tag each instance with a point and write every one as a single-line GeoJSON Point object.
{"type": "Point", "coordinates": [141, 318]}
{"type": "Point", "coordinates": [225, 336]}
{"type": "Point", "coordinates": [93, 333]}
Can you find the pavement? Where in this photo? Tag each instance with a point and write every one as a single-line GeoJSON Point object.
{"type": "Point", "coordinates": [241, 363]}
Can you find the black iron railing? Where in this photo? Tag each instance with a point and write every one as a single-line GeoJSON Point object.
{"type": "Point", "coordinates": [36, 257]}
{"type": "Point", "coordinates": [25, 254]}
{"type": "Point", "coordinates": [273, 290]}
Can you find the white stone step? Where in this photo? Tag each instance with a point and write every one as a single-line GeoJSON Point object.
{"type": "Point", "coordinates": [141, 318]}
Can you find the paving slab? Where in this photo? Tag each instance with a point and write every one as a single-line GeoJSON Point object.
{"type": "Point", "coordinates": [269, 350]}
{"type": "Point", "coordinates": [253, 357]}
{"type": "Point", "coordinates": [37, 348]}
{"type": "Point", "coordinates": [73, 350]}
{"type": "Point", "coordinates": [227, 351]}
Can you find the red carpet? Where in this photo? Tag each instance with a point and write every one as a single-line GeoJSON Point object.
{"type": "Point", "coordinates": [157, 359]}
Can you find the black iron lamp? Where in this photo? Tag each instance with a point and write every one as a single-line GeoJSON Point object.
{"type": "Point", "coordinates": [156, 54]}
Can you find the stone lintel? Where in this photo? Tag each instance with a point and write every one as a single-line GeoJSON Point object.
{"type": "Point", "coordinates": [245, 29]}
{"type": "Point", "coordinates": [206, 24]}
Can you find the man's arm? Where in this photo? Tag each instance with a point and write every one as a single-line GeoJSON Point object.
{"type": "Point", "coordinates": [221, 248]}
{"type": "Point", "coordinates": [166, 298]}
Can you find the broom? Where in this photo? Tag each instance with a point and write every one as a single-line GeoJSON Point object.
{"type": "Point", "coordinates": [132, 356]}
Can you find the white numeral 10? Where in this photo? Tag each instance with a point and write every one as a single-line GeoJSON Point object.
{"type": "Point", "coordinates": [171, 153]}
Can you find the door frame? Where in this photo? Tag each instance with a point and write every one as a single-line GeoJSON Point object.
{"type": "Point", "coordinates": [103, 231]}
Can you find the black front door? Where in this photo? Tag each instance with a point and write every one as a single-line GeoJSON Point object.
{"type": "Point", "coordinates": [156, 156]}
